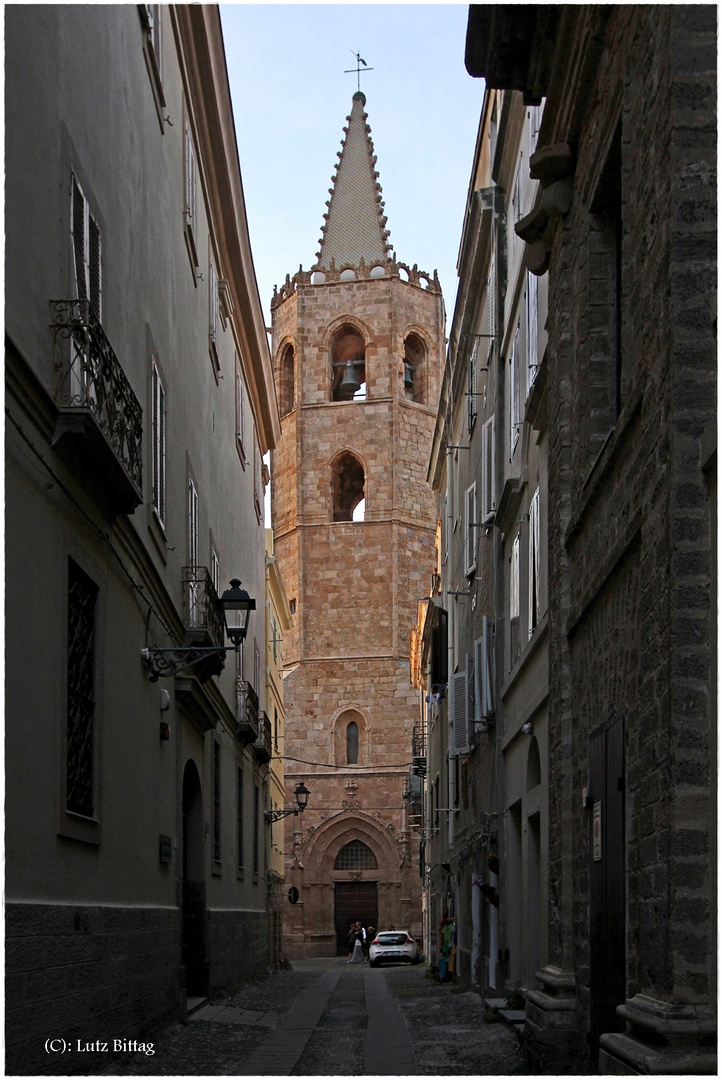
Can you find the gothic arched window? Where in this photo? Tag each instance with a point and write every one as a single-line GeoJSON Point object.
{"type": "Point", "coordinates": [352, 743]}
{"type": "Point", "coordinates": [355, 856]}
{"type": "Point", "coordinates": [347, 486]}
{"type": "Point", "coordinates": [348, 365]}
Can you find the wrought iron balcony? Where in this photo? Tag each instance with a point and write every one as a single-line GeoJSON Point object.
{"type": "Point", "coordinates": [418, 750]}
{"type": "Point", "coordinates": [202, 616]}
{"type": "Point", "coordinates": [100, 423]}
{"type": "Point", "coordinates": [262, 745]}
{"type": "Point", "coordinates": [246, 711]}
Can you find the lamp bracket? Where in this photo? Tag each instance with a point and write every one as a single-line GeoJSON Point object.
{"type": "Point", "coordinates": [276, 815]}
{"type": "Point", "coordinates": [160, 663]}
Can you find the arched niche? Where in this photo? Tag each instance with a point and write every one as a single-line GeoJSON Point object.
{"type": "Point", "coordinates": [348, 364]}
{"type": "Point", "coordinates": [348, 486]}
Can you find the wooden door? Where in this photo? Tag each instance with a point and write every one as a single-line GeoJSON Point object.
{"type": "Point", "coordinates": [607, 892]}
{"type": "Point", "coordinates": [355, 901]}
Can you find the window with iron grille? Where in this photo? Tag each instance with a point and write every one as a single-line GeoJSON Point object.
{"type": "Point", "coordinates": [86, 250]}
{"type": "Point", "coordinates": [216, 801]}
{"type": "Point", "coordinates": [239, 816]}
{"type": "Point", "coordinates": [80, 733]}
{"type": "Point", "coordinates": [158, 424]}
{"type": "Point", "coordinates": [355, 856]}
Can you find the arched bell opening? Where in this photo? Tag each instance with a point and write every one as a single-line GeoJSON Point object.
{"type": "Point", "coordinates": [348, 365]}
{"type": "Point", "coordinates": [414, 369]}
{"type": "Point", "coordinates": [347, 487]}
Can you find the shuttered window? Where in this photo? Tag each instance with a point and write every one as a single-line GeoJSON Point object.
{"type": "Point", "coordinates": [514, 380]}
{"type": "Point", "coordinates": [484, 672]}
{"type": "Point", "coordinates": [514, 600]}
{"type": "Point", "coordinates": [189, 208]}
{"type": "Point", "coordinates": [158, 424]}
{"type": "Point", "coordinates": [86, 250]}
{"type": "Point", "coordinates": [533, 594]}
{"type": "Point", "coordinates": [532, 329]}
{"type": "Point", "coordinates": [470, 531]}
{"type": "Point", "coordinates": [488, 465]}
{"type": "Point", "coordinates": [458, 713]}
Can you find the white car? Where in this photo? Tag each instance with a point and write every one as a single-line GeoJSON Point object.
{"type": "Point", "coordinates": [393, 946]}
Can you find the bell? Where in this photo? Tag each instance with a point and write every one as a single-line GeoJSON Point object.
{"type": "Point", "coordinates": [408, 377]}
{"type": "Point", "coordinates": [349, 383]}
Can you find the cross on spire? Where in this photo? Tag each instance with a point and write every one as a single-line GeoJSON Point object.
{"type": "Point", "coordinates": [357, 69]}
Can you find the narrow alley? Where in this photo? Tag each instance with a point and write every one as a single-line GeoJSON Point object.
{"type": "Point", "coordinates": [326, 1018]}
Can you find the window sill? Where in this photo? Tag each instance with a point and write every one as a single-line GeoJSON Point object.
{"type": "Point", "coordinates": [76, 827]}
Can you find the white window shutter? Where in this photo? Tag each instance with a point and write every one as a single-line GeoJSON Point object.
{"type": "Point", "coordinates": [515, 417]}
{"type": "Point", "coordinates": [470, 530]}
{"type": "Point", "coordinates": [457, 714]}
{"type": "Point", "coordinates": [532, 329]}
{"type": "Point", "coordinates": [488, 451]}
{"type": "Point", "coordinates": [533, 596]}
{"type": "Point", "coordinates": [470, 697]}
{"type": "Point", "coordinates": [479, 677]}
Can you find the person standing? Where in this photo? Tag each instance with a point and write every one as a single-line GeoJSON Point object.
{"type": "Point", "coordinates": [351, 941]}
{"type": "Point", "coordinates": [358, 951]}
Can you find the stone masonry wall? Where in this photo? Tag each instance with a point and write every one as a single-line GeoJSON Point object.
{"type": "Point", "coordinates": [86, 973]}
{"type": "Point", "coordinates": [643, 492]}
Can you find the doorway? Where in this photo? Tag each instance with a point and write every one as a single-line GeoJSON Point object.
{"type": "Point", "coordinates": [354, 901]}
{"type": "Point", "coordinates": [195, 951]}
{"type": "Point", "coordinates": [607, 893]}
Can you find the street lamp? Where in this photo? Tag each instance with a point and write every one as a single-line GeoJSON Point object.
{"type": "Point", "coordinates": [301, 794]}
{"type": "Point", "coordinates": [236, 605]}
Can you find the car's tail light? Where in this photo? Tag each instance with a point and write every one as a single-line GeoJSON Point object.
{"type": "Point", "coordinates": [375, 941]}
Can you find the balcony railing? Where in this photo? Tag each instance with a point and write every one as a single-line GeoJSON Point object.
{"type": "Point", "coordinates": [91, 383]}
{"type": "Point", "coordinates": [202, 616]}
{"type": "Point", "coordinates": [418, 750]}
{"type": "Point", "coordinates": [246, 710]}
{"type": "Point", "coordinates": [262, 745]}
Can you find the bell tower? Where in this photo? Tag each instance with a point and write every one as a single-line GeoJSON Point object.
{"type": "Point", "coordinates": [358, 346]}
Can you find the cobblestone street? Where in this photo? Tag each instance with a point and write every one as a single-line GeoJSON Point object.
{"type": "Point", "coordinates": [325, 1018]}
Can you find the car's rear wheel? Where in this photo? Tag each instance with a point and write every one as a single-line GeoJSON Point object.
{"type": "Point", "coordinates": [375, 963]}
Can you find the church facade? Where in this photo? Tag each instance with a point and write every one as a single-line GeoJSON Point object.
{"type": "Point", "coordinates": [358, 350]}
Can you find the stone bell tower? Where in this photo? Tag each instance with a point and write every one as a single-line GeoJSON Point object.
{"type": "Point", "coordinates": [358, 346]}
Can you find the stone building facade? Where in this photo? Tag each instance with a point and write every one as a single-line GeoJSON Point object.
{"type": "Point", "coordinates": [486, 807]}
{"type": "Point", "coordinates": [358, 344]}
{"type": "Point", "coordinates": [624, 225]}
{"type": "Point", "coordinates": [139, 404]}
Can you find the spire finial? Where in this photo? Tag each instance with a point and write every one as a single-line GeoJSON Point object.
{"type": "Point", "coordinates": [357, 69]}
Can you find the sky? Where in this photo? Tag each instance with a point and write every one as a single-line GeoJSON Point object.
{"type": "Point", "coordinates": [291, 95]}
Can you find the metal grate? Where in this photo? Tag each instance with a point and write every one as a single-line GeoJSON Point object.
{"type": "Point", "coordinates": [355, 856]}
{"type": "Point", "coordinates": [82, 595]}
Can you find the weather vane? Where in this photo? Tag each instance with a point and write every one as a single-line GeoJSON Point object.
{"type": "Point", "coordinates": [357, 69]}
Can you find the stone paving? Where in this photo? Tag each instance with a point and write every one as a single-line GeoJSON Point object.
{"type": "Point", "coordinates": [326, 1018]}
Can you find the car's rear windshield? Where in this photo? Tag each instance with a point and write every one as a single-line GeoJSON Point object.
{"type": "Point", "coordinates": [392, 939]}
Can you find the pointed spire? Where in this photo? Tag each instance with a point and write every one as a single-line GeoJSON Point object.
{"type": "Point", "coordinates": [354, 224]}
